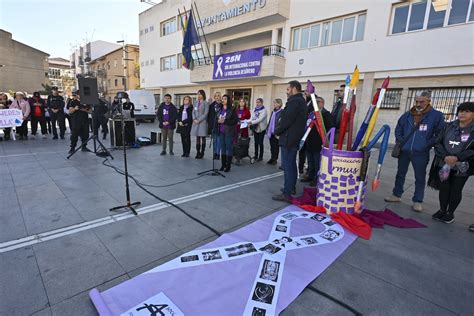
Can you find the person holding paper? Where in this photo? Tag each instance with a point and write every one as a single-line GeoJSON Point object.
{"type": "Point", "coordinates": [23, 105]}
{"type": "Point", "coordinates": [258, 124]}
{"type": "Point", "coordinates": [243, 114]}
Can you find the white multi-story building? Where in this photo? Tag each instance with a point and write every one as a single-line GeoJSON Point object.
{"type": "Point", "coordinates": [419, 44]}
{"type": "Point", "coordinates": [61, 75]}
{"type": "Point", "coordinates": [83, 55]}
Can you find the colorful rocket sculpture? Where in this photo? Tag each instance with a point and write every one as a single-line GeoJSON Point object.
{"type": "Point", "coordinates": [385, 131]}
{"type": "Point", "coordinates": [373, 119]}
{"type": "Point", "coordinates": [318, 121]}
{"type": "Point", "coordinates": [365, 123]}
{"type": "Point", "coordinates": [347, 106]}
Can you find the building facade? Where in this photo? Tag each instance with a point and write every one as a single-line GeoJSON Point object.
{"type": "Point", "coordinates": [22, 68]}
{"type": "Point", "coordinates": [117, 71]}
{"type": "Point", "coordinates": [419, 44]}
{"type": "Point", "coordinates": [83, 55]}
{"type": "Point", "coordinates": [61, 75]}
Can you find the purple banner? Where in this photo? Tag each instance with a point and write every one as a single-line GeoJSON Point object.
{"type": "Point", "coordinates": [246, 63]}
{"type": "Point", "coordinates": [256, 270]}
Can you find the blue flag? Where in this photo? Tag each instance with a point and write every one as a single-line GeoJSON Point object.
{"type": "Point", "coordinates": [191, 38]}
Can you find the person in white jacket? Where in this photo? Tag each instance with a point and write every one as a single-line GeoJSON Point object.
{"type": "Point", "coordinates": [258, 125]}
{"type": "Point", "coordinates": [21, 104]}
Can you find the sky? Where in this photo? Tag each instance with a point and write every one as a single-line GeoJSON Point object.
{"type": "Point", "coordinates": [56, 26]}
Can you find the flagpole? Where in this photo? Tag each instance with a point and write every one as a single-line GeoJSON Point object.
{"type": "Point", "coordinates": [203, 33]}
{"type": "Point", "coordinates": [184, 32]}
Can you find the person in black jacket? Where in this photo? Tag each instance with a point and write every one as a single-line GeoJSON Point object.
{"type": "Point", "coordinates": [99, 119]}
{"type": "Point", "coordinates": [454, 151]}
{"type": "Point", "coordinates": [167, 116]}
{"type": "Point", "coordinates": [290, 129]}
{"type": "Point", "coordinates": [226, 121]}
{"type": "Point", "coordinates": [314, 142]}
{"type": "Point", "coordinates": [56, 112]}
{"type": "Point", "coordinates": [185, 122]}
{"type": "Point", "coordinates": [214, 108]}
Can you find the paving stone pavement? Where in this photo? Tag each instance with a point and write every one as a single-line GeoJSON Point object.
{"type": "Point", "coordinates": [398, 272]}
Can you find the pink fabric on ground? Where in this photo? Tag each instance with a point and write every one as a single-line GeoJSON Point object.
{"type": "Point", "coordinates": [308, 197]}
{"type": "Point", "coordinates": [378, 219]}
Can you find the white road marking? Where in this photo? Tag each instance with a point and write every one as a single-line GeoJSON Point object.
{"type": "Point", "coordinates": [69, 230]}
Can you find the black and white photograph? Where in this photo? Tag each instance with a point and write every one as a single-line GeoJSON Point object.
{"type": "Point", "coordinates": [270, 249]}
{"type": "Point", "coordinates": [240, 250]}
{"type": "Point", "coordinates": [309, 241]}
{"type": "Point", "coordinates": [211, 255]}
{"type": "Point", "coordinates": [281, 228]}
{"type": "Point", "coordinates": [289, 216]}
{"type": "Point", "coordinates": [190, 258]}
{"type": "Point", "coordinates": [318, 217]}
{"type": "Point", "coordinates": [257, 311]}
{"type": "Point", "coordinates": [282, 221]}
{"type": "Point", "coordinates": [263, 293]}
{"type": "Point", "coordinates": [329, 223]}
{"type": "Point", "coordinates": [270, 270]}
{"type": "Point", "coordinates": [330, 234]}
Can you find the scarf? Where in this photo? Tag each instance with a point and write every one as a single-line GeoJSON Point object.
{"type": "Point", "coordinates": [271, 125]}
{"type": "Point", "coordinates": [184, 115]}
{"type": "Point", "coordinates": [417, 116]}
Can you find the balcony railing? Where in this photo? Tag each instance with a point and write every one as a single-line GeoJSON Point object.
{"type": "Point", "coordinates": [270, 50]}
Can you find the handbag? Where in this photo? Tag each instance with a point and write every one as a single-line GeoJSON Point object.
{"type": "Point", "coordinates": [397, 149]}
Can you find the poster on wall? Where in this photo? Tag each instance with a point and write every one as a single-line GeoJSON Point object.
{"type": "Point", "coordinates": [246, 63]}
{"type": "Point", "coordinates": [256, 270]}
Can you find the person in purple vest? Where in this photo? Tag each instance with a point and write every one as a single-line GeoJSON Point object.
{"type": "Point", "coordinates": [167, 116]}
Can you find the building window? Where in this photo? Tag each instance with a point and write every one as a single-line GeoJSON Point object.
{"type": "Point", "coordinates": [147, 63]}
{"type": "Point", "coordinates": [152, 28]}
{"type": "Point", "coordinates": [123, 82]}
{"type": "Point", "coordinates": [179, 98]}
{"type": "Point", "coordinates": [341, 30]}
{"type": "Point", "coordinates": [168, 27]}
{"type": "Point", "coordinates": [168, 63]}
{"type": "Point", "coordinates": [157, 100]}
{"type": "Point", "coordinates": [392, 99]}
{"type": "Point", "coordinates": [115, 63]}
{"type": "Point", "coordinates": [430, 14]}
{"type": "Point", "coordinates": [152, 62]}
{"type": "Point", "coordinates": [141, 32]}
{"type": "Point", "coordinates": [142, 64]}
{"type": "Point", "coordinates": [108, 65]}
{"type": "Point", "coordinates": [116, 82]}
{"type": "Point", "coordinates": [444, 99]}
{"type": "Point", "coordinates": [146, 30]}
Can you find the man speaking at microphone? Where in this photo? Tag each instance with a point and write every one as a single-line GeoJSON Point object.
{"type": "Point", "coordinates": [80, 122]}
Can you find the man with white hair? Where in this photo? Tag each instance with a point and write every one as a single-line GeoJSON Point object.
{"type": "Point", "coordinates": [416, 132]}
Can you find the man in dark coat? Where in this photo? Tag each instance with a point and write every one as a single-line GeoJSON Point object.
{"type": "Point", "coordinates": [214, 108]}
{"type": "Point", "coordinates": [56, 112]}
{"type": "Point", "coordinates": [290, 129]}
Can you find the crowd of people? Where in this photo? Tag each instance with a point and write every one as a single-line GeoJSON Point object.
{"type": "Point", "coordinates": [230, 126]}
{"type": "Point", "coordinates": [417, 132]}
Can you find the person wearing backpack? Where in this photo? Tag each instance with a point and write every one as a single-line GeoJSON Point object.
{"type": "Point", "coordinates": [416, 132]}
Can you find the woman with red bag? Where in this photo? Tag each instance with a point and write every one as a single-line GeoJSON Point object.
{"type": "Point", "coordinates": [243, 113]}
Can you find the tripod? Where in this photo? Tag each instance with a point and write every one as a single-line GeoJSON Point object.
{"type": "Point", "coordinates": [99, 150]}
{"type": "Point", "coordinates": [214, 171]}
{"type": "Point", "coordinates": [129, 204]}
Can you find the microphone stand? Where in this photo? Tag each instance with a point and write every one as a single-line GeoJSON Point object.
{"type": "Point", "coordinates": [214, 171]}
{"type": "Point", "coordinates": [129, 204]}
